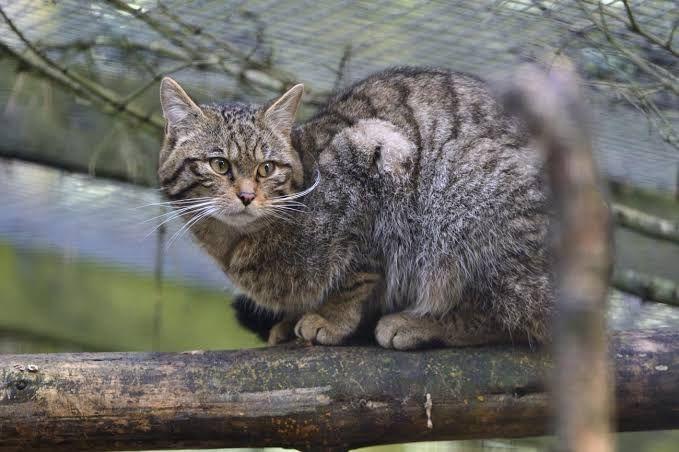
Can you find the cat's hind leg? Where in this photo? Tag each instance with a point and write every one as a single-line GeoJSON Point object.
{"type": "Point", "coordinates": [343, 313]}
{"type": "Point", "coordinates": [407, 331]}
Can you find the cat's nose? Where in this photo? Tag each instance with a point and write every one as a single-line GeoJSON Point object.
{"type": "Point", "coordinates": [246, 197]}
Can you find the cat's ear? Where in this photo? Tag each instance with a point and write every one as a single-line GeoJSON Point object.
{"type": "Point", "coordinates": [280, 116]}
{"type": "Point", "coordinates": [177, 105]}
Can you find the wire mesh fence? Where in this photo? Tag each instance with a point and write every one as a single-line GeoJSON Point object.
{"type": "Point", "coordinates": [78, 90]}
{"type": "Point", "coordinates": [114, 52]}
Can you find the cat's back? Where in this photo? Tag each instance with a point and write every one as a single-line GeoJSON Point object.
{"type": "Point", "coordinates": [429, 105]}
{"type": "Point", "coordinates": [460, 131]}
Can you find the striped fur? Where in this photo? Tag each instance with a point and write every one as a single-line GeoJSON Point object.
{"type": "Point", "coordinates": [425, 185]}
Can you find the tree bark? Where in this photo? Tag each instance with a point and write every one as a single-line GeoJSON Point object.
{"type": "Point", "coordinates": [310, 397]}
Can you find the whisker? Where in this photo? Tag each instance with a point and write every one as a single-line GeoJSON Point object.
{"type": "Point", "coordinates": [279, 215]}
{"type": "Point", "coordinates": [174, 203]}
{"type": "Point", "coordinates": [303, 192]}
{"type": "Point", "coordinates": [180, 210]}
{"type": "Point", "coordinates": [288, 203]}
{"type": "Point", "coordinates": [279, 198]}
{"type": "Point", "coordinates": [288, 209]}
{"type": "Point", "coordinates": [156, 227]}
{"type": "Point", "coordinates": [268, 220]}
{"type": "Point", "coordinates": [178, 214]}
{"type": "Point", "coordinates": [173, 216]}
{"type": "Point", "coordinates": [195, 220]}
{"type": "Point", "coordinates": [187, 226]}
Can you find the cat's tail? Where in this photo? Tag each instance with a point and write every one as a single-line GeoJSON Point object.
{"type": "Point", "coordinates": [253, 317]}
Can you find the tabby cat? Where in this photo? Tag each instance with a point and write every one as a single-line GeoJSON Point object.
{"type": "Point", "coordinates": [410, 199]}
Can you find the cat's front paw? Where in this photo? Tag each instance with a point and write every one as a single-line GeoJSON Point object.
{"type": "Point", "coordinates": [317, 329]}
{"type": "Point", "coordinates": [404, 331]}
{"type": "Point", "coordinates": [282, 331]}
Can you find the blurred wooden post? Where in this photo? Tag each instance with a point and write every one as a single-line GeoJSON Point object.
{"type": "Point", "coordinates": [583, 390]}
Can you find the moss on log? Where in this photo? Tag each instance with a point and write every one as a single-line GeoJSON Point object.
{"type": "Point", "coordinates": [309, 397]}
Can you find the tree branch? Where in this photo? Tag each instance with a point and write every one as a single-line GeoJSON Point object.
{"type": "Point", "coordinates": [112, 103]}
{"type": "Point", "coordinates": [259, 74]}
{"type": "Point", "coordinates": [73, 82]}
{"type": "Point", "coordinates": [155, 79]}
{"type": "Point", "coordinates": [614, 46]}
{"type": "Point", "coordinates": [310, 397]}
{"type": "Point", "coordinates": [124, 44]}
{"type": "Point", "coordinates": [42, 56]}
{"type": "Point", "coordinates": [667, 79]}
{"type": "Point", "coordinates": [670, 37]}
{"type": "Point", "coordinates": [159, 27]}
{"type": "Point", "coordinates": [633, 23]}
{"type": "Point", "coordinates": [634, 26]}
{"type": "Point", "coordinates": [152, 123]}
{"type": "Point", "coordinates": [647, 287]}
{"type": "Point", "coordinates": [646, 224]}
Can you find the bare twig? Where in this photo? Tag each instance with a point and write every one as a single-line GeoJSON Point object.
{"type": "Point", "coordinates": [155, 79]}
{"type": "Point", "coordinates": [633, 26]}
{"type": "Point", "coordinates": [640, 99]}
{"type": "Point", "coordinates": [75, 83]}
{"type": "Point", "coordinates": [159, 27]}
{"type": "Point", "coordinates": [120, 43]}
{"type": "Point", "coordinates": [646, 224]}
{"type": "Point", "coordinates": [184, 38]}
{"type": "Point", "coordinates": [342, 67]}
{"type": "Point", "coordinates": [185, 49]}
{"type": "Point", "coordinates": [155, 122]}
{"type": "Point", "coordinates": [190, 31]}
{"type": "Point", "coordinates": [186, 56]}
{"type": "Point", "coordinates": [597, 13]}
{"type": "Point", "coordinates": [40, 54]}
{"type": "Point", "coordinates": [669, 80]}
{"type": "Point", "coordinates": [670, 38]}
{"type": "Point", "coordinates": [633, 23]}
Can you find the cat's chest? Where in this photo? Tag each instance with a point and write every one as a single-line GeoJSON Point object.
{"type": "Point", "coordinates": [250, 254]}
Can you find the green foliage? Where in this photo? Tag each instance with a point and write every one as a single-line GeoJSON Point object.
{"type": "Point", "coordinates": [81, 302]}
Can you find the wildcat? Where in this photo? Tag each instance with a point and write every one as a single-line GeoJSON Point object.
{"type": "Point", "coordinates": [422, 205]}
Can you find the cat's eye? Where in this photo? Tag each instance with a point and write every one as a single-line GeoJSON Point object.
{"type": "Point", "coordinates": [220, 165]}
{"type": "Point", "coordinates": [265, 169]}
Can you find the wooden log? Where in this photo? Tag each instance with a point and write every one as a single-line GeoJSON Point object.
{"type": "Point", "coordinates": [310, 397]}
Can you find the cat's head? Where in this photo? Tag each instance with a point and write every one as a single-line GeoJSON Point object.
{"type": "Point", "coordinates": [233, 162]}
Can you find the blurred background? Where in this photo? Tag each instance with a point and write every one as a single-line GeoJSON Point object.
{"type": "Point", "coordinates": [85, 264]}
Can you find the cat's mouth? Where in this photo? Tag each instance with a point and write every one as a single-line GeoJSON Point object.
{"type": "Point", "coordinates": [239, 219]}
